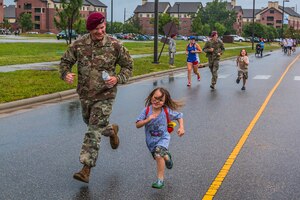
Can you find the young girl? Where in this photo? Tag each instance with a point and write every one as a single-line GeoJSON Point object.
{"type": "Point", "coordinates": [242, 63]}
{"type": "Point", "coordinates": [160, 107]}
{"type": "Point", "coordinates": [192, 61]}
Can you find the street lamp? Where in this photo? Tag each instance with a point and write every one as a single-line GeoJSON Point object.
{"type": "Point", "coordinates": [283, 17]}
{"type": "Point", "coordinates": [253, 16]}
{"type": "Point", "coordinates": [111, 18]}
{"type": "Point", "coordinates": [178, 5]}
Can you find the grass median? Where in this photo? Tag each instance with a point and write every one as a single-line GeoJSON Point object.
{"type": "Point", "coordinates": [24, 84]}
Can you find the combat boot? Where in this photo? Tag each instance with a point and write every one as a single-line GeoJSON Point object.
{"type": "Point", "coordinates": [114, 139]}
{"type": "Point", "coordinates": [83, 175]}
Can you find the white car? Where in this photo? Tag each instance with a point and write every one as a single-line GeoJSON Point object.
{"type": "Point", "coordinates": [237, 38]}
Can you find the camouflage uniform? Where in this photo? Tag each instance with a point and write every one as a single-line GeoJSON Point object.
{"type": "Point", "coordinates": [96, 98]}
{"type": "Point", "coordinates": [213, 57]}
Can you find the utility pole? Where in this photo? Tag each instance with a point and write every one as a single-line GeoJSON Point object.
{"type": "Point", "coordinates": [253, 17]}
{"type": "Point", "coordinates": [178, 5]}
{"type": "Point", "coordinates": [155, 61]}
{"type": "Point", "coordinates": [111, 18]}
{"type": "Point", "coordinates": [283, 17]}
{"type": "Point", "coordinates": [124, 15]}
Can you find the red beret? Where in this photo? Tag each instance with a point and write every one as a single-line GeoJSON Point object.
{"type": "Point", "coordinates": [173, 35]}
{"type": "Point", "coordinates": [94, 20]}
{"type": "Point", "coordinates": [214, 33]}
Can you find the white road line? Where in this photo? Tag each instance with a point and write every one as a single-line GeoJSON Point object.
{"type": "Point", "coordinates": [262, 77]}
{"type": "Point", "coordinates": [297, 78]}
{"type": "Point", "coordinates": [224, 75]}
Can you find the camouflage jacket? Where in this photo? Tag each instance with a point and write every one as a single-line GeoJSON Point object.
{"type": "Point", "coordinates": [218, 48]}
{"type": "Point", "coordinates": [92, 58]}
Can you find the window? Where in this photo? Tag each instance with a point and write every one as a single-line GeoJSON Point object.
{"type": "Point", "coordinates": [271, 11]}
{"type": "Point", "coordinates": [19, 6]}
{"type": "Point", "coordinates": [141, 15]}
{"type": "Point", "coordinates": [147, 15]}
{"type": "Point", "coordinates": [43, 10]}
{"type": "Point", "coordinates": [27, 6]}
{"type": "Point", "coordinates": [270, 19]}
{"type": "Point", "coordinates": [37, 26]}
{"type": "Point", "coordinates": [37, 10]}
{"type": "Point", "coordinates": [37, 18]}
{"type": "Point", "coordinates": [270, 24]}
{"type": "Point", "coordinates": [278, 21]}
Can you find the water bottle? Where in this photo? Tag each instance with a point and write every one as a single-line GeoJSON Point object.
{"type": "Point", "coordinates": [106, 77]}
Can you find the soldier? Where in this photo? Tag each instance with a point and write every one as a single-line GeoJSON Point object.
{"type": "Point", "coordinates": [96, 53]}
{"type": "Point", "coordinates": [214, 49]}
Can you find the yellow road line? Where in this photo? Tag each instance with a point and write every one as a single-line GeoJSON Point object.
{"type": "Point", "coordinates": [213, 189]}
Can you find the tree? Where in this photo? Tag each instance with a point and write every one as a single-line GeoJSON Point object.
{"type": "Point", "coordinates": [117, 26]}
{"type": "Point", "coordinates": [80, 26]}
{"type": "Point", "coordinates": [197, 26]}
{"type": "Point", "coordinates": [6, 24]}
{"type": "Point", "coordinates": [68, 16]}
{"type": "Point", "coordinates": [26, 22]}
{"type": "Point", "coordinates": [216, 11]}
{"type": "Point", "coordinates": [132, 25]}
{"type": "Point", "coordinates": [220, 28]}
{"type": "Point", "coordinates": [163, 19]}
{"type": "Point", "coordinates": [259, 30]}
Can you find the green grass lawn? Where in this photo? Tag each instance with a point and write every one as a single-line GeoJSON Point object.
{"type": "Point", "coordinates": [22, 53]}
{"type": "Point", "coordinates": [30, 83]}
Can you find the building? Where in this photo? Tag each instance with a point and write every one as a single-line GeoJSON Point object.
{"type": "Point", "coordinates": [10, 14]}
{"type": "Point", "coordinates": [184, 11]}
{"type": "Point", "coordinates": [1, 11]}
{"type": "Point", "coordinates": [145, 13]}
{"type": "Point", "coordinates": [272, 16]}
{"type": "Point", "coordinates": [238, 24]}
{"type": "Point", "coordinates": [248, 15]}
{"type": "Point", "coordinates": [44, 11]}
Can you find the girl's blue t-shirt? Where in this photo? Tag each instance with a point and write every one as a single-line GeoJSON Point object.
{"type": "Point", "coordinates": [156, 130]}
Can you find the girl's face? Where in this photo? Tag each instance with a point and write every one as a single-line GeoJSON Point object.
{"type": "Point", "coordinates": [158, 99]}
{"type": "Point", "coordinates": [243, 52]}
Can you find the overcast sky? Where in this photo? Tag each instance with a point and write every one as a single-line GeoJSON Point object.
{"type": "Point", "coordinates": [130, 5]}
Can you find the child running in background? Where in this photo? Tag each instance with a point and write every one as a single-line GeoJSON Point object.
{"type": "Point", "coordinates": [242, 63]}
{"type": "Point", "coordinates": [160, 109]}
{"type": "Point", "coordinates": [192, 50]}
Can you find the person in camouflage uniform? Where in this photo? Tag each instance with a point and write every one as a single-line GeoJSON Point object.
{"type": "Point", "coordinates": [94, 53]}
{"type": "Point", "coordinates": [214, 49]}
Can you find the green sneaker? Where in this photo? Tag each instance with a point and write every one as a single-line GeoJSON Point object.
{"type": "Point", "coordinates": [159, 184]}
{"type": "Point", "coordinates": [169, 162]}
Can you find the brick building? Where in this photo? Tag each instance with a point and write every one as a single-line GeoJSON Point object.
{"type": "Point", "coordinates": [43, 12]}
{"type": "Point", "coordinates": [272, 16]}
{"type": "Point", "coordinates": [238, 24]}
{"type": "Point", "coordinates": [1, 11]}
{"type": "Point", "coordinates": [184, 12]}
{"type": "Point", "coordinates": [145, 13]}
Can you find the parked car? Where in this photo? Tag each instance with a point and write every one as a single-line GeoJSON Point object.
{"type": "Point", "coordinates": [4, 31]}
{"type": "Point", "coordinates": [201, 38]}
{"type": "Point", "coordinates": [237, 38]}
{"type": "Point", "coordinates": [62, 35]}
{"type": "Point", "coordinates": [181, 37]}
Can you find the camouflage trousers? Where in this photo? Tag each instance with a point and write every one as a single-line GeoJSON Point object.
{"type": "Point", "coordinates": [171, 58]}
{"type": "Point", "coordinates": [214, 67]}
{"type": "Point", "coordinates": [96, 116]}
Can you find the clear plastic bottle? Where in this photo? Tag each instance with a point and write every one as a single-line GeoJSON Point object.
{"type": "Point", "coordinates": [106, 77]}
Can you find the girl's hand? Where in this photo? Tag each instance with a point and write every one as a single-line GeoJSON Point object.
{"type": "Point", "coordinates": [152, 116]}
{"type": "Point", "coordinates": [180, 132]}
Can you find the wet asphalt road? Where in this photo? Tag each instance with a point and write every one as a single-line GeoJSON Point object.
{"type": "Point", "coordinates": [39, 147]}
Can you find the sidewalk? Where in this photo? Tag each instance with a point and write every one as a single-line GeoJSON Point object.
{"type": "Point", "coordinates": [64, 95]}
{"type": "Point", "coordinates": [50, 65]}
